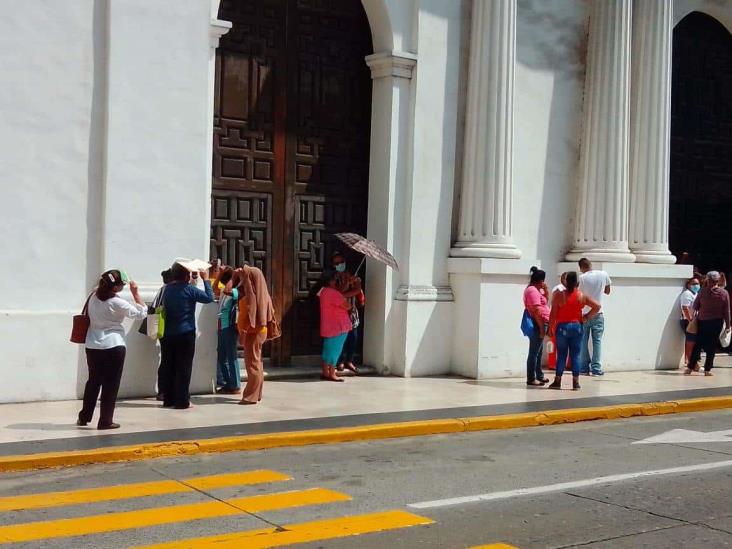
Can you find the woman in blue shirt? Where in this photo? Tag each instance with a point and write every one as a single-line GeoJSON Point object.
{"type": "Point", "coordinates": [179, 341]}
{"type": "Point", "coordinates": [228, 363]}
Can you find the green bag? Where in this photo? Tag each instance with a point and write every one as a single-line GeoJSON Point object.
{"type": "Point", "coordinates": [156, 319]}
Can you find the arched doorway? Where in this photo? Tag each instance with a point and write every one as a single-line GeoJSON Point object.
{"type": "Point", "coordinates": [292, 111]}
{"type": "Point", "coordinates": [701, 143]}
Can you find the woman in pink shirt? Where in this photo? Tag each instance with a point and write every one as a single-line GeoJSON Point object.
{"type": "Point", "coordinates": [535, 303]}
{"type": "Point", "coordinates": [335, 323]}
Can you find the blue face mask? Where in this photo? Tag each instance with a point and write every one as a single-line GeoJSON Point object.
{"type": "Point", "coordinates": [695, 288]}
{"type": "Point", "coordinates": [341, 268]}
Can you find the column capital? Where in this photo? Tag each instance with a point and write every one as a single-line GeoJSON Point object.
{"type": "Point", "coordinates": [399, 64]}
{"type": "Point", "coordinates": [216, 30]}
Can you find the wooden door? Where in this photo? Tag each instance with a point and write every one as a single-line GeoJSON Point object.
{"type": "Point", "coordinates": [701, 143]}
{"type": "Point", "coordinates": [291, 147]}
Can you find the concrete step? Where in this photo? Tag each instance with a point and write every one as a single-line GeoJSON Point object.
{"type": "Point", "coordinates": [282, 373]}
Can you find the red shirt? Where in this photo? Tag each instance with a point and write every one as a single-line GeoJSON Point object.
{"type": "Point", "coordinates": [571, 311]}
{"type": "Point", "coordinates": [334, 318]}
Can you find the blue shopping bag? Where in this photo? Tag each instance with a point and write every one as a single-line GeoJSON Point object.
{"type": "Point", "coordinates": [527, 324]}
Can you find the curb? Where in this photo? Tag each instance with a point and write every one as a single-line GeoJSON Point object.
{"type": "Point", "coordinates": [353, 434]}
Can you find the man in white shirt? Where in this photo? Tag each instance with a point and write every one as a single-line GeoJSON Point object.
{"type": "Point", "coordinates": [594, 284]}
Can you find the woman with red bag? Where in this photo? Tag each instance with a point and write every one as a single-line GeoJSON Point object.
{"type": "Point", "coordinates": [105, 345]}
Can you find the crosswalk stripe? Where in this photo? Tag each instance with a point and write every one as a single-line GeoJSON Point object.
{"type": "Point", "coordinates": [319, 530]}
{"type": "Point", "coordinates": [141, 489]}
{"type": "Point", "coordinates": [495, 546]}
{"type": "Point", "coordinates": [165, 515]}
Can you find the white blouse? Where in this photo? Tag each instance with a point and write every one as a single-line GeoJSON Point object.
{"type": "Point", "coordinates": [105, 326]}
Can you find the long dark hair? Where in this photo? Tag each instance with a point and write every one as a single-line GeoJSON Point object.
{"type": "Point", "coordinates": [572, 281]}
{"type": "Point", "coordinates": [537, 275]}
{"type": "Point", "coordinates": [226, 275]}
{"type": "Point", "coordinates": [107, 283]}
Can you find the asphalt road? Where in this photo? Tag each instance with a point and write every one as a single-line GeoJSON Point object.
{"type": "Point", "coordinates": [587, 485]}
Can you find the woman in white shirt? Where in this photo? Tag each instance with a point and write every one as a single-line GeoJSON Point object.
{"type": "Point", "coordinates": [105, 345]}
{"type": "Point", "coordinates": [686, 303]}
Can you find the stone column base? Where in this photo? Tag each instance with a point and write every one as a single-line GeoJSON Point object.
{"type": "Point", "coordinates": [651, 256]}
{"type": "Point", "coordinates": [601, 254]}
{"type": "Point", "coordinates": [485, 250]}
{"type": "Point", "coordinates": [487, 341]}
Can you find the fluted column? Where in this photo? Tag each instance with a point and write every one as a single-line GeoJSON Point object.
{"type": "Point", "coordinates": [601, 216]}
{"type": "Point", "coordinates": [486, 198]}
{"type": "Point", "coordinates": [651, 130]}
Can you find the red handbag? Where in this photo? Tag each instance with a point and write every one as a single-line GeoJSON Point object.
{"type": "Point", "coordinates": [81, 324]}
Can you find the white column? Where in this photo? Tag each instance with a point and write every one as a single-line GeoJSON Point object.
{"type": "Point", "coordinates": [391, 73]}
{"type": "Point", "coordinates": [601, 216]}
{"type": "Point", "coordinates": [651, 130]}
{"type": "Point", "coordinates": [486, 200]}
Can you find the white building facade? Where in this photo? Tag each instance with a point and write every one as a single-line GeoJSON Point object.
{"type": "Point", "coordinates": [502, 134]}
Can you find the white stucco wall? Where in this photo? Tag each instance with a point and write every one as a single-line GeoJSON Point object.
{"type": "Point", "coordinates": [424, 305]}
{"type": "Point", "coordinates": [550, 61]}
{"type": "Point", "coordinates": [105, 158]}
{"type": "Point", "coordinates": [105, 164]}
{"type": "Point", "coordinates": [49, 159]}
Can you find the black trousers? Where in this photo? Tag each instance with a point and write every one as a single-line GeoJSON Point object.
{"type": "Point", "coordinates": [178, 350]}
{"type": "Point", "coordinates": [707, 338]}
{"type": "Point", "coordinates": [105, 372]}
{"type": "Point", "coordinates": [163, 369]}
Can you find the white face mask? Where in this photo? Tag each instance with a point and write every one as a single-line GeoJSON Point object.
{"type": "Point", "coordinates": [341, 268]}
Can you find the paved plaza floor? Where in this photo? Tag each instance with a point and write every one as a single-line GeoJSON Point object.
{"type": "Point", "coordinates": [308, 403]}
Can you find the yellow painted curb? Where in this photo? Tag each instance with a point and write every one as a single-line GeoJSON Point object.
{"type": "Point", "coordinates": [350, 434]}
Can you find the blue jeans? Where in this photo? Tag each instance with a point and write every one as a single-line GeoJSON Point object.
{"type": "Point", "coordinates": [228, 374]}
{"type": "Point", "coordinates": [594, 328]}
{"type": "Point", "coordinates": [569, 341]}
{"type": "Point", "coordinates": [533, 361]}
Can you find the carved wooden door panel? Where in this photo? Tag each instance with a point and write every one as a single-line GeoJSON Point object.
{"type": "Point", "coordinates": [329, 103]}
{"type": "Point", "coordinates": [291, 147]}
{"type": "Point", "coordinates": [701, 143]}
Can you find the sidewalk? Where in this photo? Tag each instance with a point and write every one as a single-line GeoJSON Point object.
{"type": "Point", "coordinates": [299, 405]}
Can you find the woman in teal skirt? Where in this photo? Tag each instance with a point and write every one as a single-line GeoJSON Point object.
{"type": "Point", "coordinates": [335, 323]}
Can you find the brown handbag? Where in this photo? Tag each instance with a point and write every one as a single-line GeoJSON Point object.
{"type": "Point", "coordinates": [81, 324]}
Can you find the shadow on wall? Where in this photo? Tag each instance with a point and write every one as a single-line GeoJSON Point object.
{"type": "Point", "coordinates": [96, 165]}
{"type": "Point", "coordinates": [651, 305]}
{"type": "Point", "coordinates": [671, 345]}
{"type": "Point", "coordinates": [552, 38]}
{"type": "Point", "coordinates": [465, 24]}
